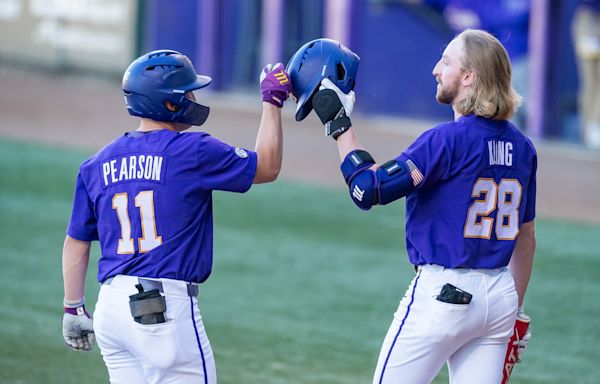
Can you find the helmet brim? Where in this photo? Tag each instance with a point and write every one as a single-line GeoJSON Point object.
{"type": "Point", "coordinates": [201, 82]}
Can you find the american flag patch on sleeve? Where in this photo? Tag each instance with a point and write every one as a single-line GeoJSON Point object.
{"type": "Point", "coordinates": [417, 176]}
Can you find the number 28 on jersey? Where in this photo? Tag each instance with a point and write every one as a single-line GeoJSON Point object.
{"type": "Point", "coordinates": [504, 198]}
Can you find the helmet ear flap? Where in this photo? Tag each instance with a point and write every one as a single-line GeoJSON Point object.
{"type": "Point", "coordinates": [192, 113]}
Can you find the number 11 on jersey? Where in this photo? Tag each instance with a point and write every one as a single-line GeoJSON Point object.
{"type": "Point", "coordinates": [150, 239]}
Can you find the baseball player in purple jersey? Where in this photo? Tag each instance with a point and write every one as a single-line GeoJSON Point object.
{"type": "Point", "coordinates": [147, 198]}
{"type": "Point", "coordinates": [470, 186]}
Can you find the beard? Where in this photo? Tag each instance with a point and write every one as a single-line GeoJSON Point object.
{"type": "Point", "coordinates": [447, 94]}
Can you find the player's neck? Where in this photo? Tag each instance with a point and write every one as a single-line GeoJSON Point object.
{"type": "Point", "coordinates": [148, 125]}
{"type": "Point", "coordinates": [457, 114]}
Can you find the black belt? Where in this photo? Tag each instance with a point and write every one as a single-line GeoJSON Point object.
{"type": "Point", "coordinates": [149, 284]}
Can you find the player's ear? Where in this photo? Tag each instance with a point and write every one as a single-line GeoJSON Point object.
{"type": "Point", "coordinates": [171, 107]}
{"type": "Point", "coordinates": [468, 78]}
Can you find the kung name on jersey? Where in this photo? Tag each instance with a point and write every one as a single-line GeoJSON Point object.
{"type": "Point", "coordinates": [132, 167]}
{"type": "Point", "coordinates": [500, 152]}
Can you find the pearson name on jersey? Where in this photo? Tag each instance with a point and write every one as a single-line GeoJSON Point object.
{"type": "Point", "coordinates": [132, 167]}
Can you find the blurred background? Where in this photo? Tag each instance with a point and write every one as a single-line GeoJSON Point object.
{"type": "Point", "coordinates": [288, 302]}
{"type": "Point", "coordinates": [554, 46]}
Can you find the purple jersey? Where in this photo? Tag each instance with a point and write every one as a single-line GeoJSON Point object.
{"type": "Point", "coordinates": [148, 198]}
{"type": "Point", "coordinates": [478, 187]}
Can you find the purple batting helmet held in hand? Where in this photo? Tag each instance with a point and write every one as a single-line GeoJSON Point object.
{"type": "Point", "coordinates": [315, 61]}
{"type": "Point", "coordinates": [160, 76]}
{"type": "Point", "coordinates": [275, 84]}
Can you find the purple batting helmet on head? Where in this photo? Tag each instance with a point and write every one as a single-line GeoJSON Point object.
{"type": "Point", "coordinates": [315, 61]}
{"type": "Point", "coordinates": [160, 76]}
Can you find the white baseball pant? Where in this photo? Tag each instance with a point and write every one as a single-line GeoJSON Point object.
{"type": "Point", "coordinates": [177, 351]}
{"type": "Point", "coordinates": [472, 338]}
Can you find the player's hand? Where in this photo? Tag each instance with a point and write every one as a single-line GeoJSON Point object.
{"type": "Point", "coordinates": [522, 342]}
{"type": "Point", "coordinates": [333, 108]}
{"type": "Point", "coordinates": [275, 84]}
{"type": "Point", "coordinates": [347, 99]}
{"type": "Point", "coordinates": [78, 329]}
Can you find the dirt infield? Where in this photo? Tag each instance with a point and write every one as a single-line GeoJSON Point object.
{"type": "Point", "coordinates": [88, 113]}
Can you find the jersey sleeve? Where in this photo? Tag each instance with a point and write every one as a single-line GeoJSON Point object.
{"type": "Point", "coordinates": [82, 225]}
{"type": "Point", "coordinates": [431, 154]}
{"type": "Point", "coordinates": [529, 213]}
{"type": "Point", "coordinates": [224, 167]}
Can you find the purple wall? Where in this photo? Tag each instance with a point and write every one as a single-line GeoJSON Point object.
{"type": "Point", "coordinates": [224, 38]}
{"type": "Point", "coordinates": [221, 37]}
{"type": "Point", "coordinates": [171, 27]}
{"type": "Point", "coordinates": [399, 45]}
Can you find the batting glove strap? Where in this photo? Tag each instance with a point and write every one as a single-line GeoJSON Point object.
{"type": "Point", "coordinates": [78, 311]}
{"type": "Point", "coordinates": [355, 162]}
{"type": "Point", "coordinates": [274, 97]}
{"type": "Point", "coordinates": [339, 125]}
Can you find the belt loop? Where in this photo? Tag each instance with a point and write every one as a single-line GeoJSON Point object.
{"type": "Point", "coordinates": [192, 290]}
{"type": "Point", "coordinates": [150, 284]}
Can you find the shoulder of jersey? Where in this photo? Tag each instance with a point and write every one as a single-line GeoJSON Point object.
{"type": "Point", "coordinates": [448, 128]}
{"type": "Point", "coordinates": [523, 136]}
{"type": "Point", "coordinates": [195, 134]}
{"type": "Point", "coordinates": [98, 156]}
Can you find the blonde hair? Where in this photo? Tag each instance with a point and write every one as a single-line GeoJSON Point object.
{"type": "Point", "coordinates": [491, 94]}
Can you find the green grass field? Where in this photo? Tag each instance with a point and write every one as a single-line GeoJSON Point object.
{"type": "Point", "coordinates": [303, 288]}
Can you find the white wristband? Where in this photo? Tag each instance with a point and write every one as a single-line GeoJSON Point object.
{"type": "Point", "coordinates": [73, 303]}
